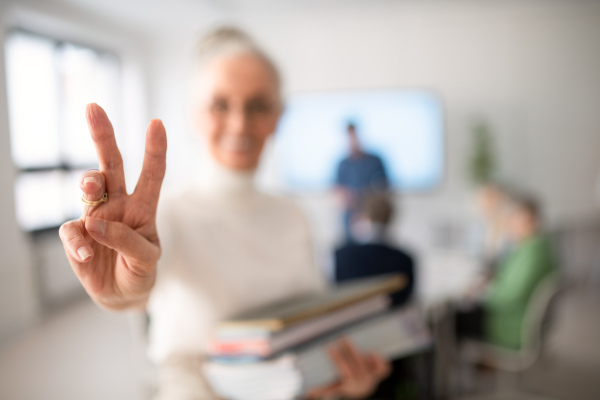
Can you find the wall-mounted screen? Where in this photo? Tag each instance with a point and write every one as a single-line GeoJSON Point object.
{"type": "Point", "coordinates": [404, 128]}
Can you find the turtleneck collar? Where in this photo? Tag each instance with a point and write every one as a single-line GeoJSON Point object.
{"type": "Point", "coordinates": [219, 181]}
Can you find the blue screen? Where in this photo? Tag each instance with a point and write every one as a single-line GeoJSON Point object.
{"type": "Point", "coordinates": [405, 128]}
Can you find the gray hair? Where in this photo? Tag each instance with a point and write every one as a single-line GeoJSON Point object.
{"type": "Point", "coordinates": [226, 41]}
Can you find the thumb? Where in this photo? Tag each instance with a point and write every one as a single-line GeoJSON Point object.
{"type": "Point", "coordinates": [123, 240]}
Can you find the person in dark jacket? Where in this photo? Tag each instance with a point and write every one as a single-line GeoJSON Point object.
{"type": "Point", "coordinates": [369, 253]}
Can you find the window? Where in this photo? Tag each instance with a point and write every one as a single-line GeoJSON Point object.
{"type": "Point", "coordinates": [49, 82]}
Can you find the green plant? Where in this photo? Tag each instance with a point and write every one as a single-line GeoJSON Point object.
{"type": "Point", "coordinates": [482, 164]}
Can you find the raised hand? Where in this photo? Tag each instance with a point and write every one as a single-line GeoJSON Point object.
{"type": "Point", "coordinates": [113, 248]}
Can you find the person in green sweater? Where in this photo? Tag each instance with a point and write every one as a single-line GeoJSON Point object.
{"type": "Point", "coordinates": [500, 316]}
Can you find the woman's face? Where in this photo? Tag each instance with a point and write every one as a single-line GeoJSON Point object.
{"type": "Point", "coordinates": [238, 110]}
{"type": "Point", "coordinates": [521, 224]}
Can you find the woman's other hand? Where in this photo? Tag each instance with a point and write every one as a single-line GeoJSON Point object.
{"type": "Point", "coordinates": [113, 248]}
{"type": "Point", "coordinates": [360, 374]}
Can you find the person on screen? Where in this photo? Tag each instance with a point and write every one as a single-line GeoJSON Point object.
{"type": "Point", "coordinates": [358, 174]}
{"type": "Point", "coordinates": [225, 247]}
{"type": "Point", "coordinates": [499, 316]}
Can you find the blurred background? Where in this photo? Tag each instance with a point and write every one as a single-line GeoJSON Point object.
{"type": "Point", "coordinates": [507, 91]}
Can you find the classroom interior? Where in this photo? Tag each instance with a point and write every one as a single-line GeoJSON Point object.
{"type": "Point", "coordinates": [526, 71]}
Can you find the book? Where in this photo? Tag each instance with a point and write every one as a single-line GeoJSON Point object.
{"type": "Point", "coordinates": [286, 314]}
{"type": "Point", "coordinates": [393, 334]}
{"type": "Point", "coordinates": [265, 343]}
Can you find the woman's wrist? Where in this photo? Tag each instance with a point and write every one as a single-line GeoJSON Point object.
{"type": "Point", "coordinates": [122, 304]}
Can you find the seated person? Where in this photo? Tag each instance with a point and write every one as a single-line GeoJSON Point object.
{"type": "Point", "coordinates": [492, 203]}
{"type": "Point", "coordinates": [499, 317]}
{"type": "Point", "coordinates": [369, 254]}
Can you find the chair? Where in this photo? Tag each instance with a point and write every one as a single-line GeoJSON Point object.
{"type": "Point", "coordinates": [537, 322]}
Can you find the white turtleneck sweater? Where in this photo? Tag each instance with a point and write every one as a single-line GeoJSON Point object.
{"type": "Point", "coordinates": [226, 248]}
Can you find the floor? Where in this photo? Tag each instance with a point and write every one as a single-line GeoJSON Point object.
{"type": "Point", "coordinates": [83, 352]}
{"type": "Point", "coordinates": [571, 370]}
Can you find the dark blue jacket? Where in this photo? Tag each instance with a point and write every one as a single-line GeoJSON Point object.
{"type": "Point", "coordinates": [354, 261]}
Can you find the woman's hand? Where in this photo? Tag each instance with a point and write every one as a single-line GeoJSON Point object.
{"type": "Point", "coordinates": [359, 373]}
{"type": "Point", "coordinates": [113, 248]}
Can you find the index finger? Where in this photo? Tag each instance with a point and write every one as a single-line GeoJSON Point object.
{"type": "Point", "coordinates": [109, 157]}
{"type": "Point", "coordinates": [340, 363]}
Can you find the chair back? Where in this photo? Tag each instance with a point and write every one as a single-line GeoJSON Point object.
{"type": "Point", "coordinates": [538, 316]}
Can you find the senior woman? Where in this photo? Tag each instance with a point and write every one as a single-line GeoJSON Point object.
{"type": "Point", "coordinates": [224, 246]}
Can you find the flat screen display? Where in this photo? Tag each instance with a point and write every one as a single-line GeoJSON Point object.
{"type": "Point", "coordinates": [404, 128]}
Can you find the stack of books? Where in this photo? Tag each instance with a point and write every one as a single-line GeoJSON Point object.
{"type": "Point", "coordinates": [279, 352]}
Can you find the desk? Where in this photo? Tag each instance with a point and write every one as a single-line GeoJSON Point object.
{"type": "Point", "coordinates": [443, 277]}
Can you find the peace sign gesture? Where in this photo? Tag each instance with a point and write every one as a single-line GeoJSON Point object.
{"type": "Point", "coordinates": [113, 248]}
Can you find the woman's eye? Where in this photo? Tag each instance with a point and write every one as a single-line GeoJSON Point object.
{"type": "Point", "coordinates": [257, 107]}
{"type": "Point", "coordinates": [219, 106]}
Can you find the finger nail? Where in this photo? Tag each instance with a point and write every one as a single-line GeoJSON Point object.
{"type": "Point", "coordinates": [91, 179]}
{"type": "Point", "coordinates": [95, 225]}
{"type": "Point", "coordinates": [84, 252]}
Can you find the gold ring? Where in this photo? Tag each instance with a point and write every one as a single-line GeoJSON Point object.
{"type": "Point", "coordinates": [104, 199]}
